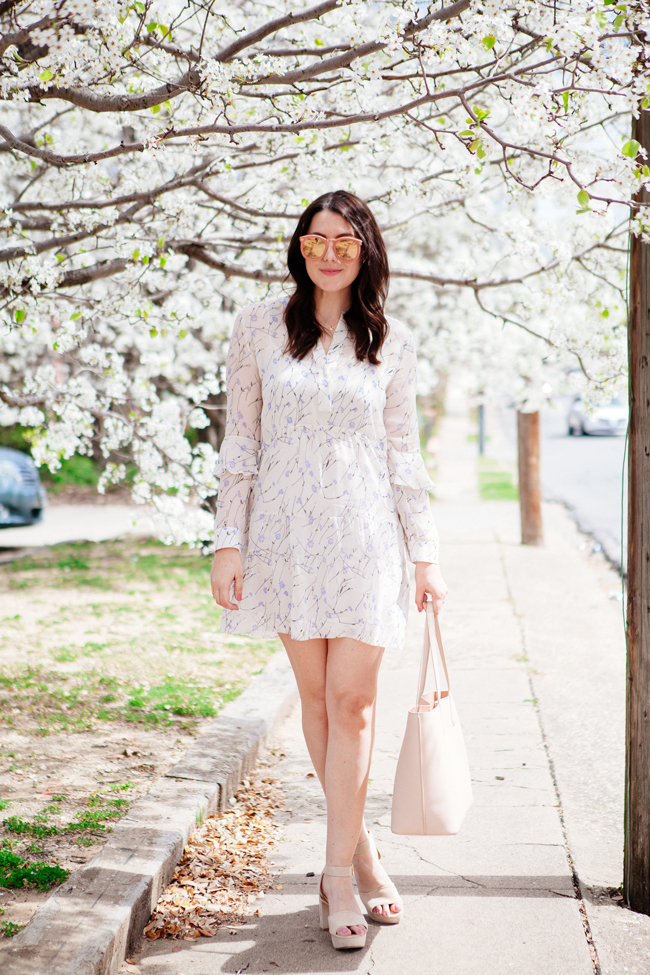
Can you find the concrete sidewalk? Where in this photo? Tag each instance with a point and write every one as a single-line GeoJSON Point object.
{"type": "Point", "coordinates": [536, 648]}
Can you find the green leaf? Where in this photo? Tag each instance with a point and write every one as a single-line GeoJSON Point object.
{"type": "Point", "coordinates": [584, 199]}
{"type": "Point", "coordinates": [565, 99]}
{"type": "Point", "coordinates": [631, 148]}
{"type": "Point", "coordinates": [152, 26]}
{"type": "Point", "coordinates": [472, 146]}
{"type": "Point", "coordinates": [168, 106]}
{"type": "Point", "coordinates": [145, 259]}
{"type": "Point", "coordinates": [76, 315]}
{"type": "Point", "coordinates": [467, 132]}
{"type": "Point", "coordinates": [136, 254]}
{"type": "Point", "coordinates": [139, 7]}
{"type": "Point", "coordinates": [318, 42]}
{"type": "Point", "coordinates": [183, 333]}
{"type": "Point", "coordinates": [619, 20]}
{"type": "Point", "coordinates": [488, 42]}
{"type": "Point", "coordinates": [153, 332]}
{"type": "Point", "coordinates": [19, 315]}
{"type": "Point", "coordinates": [480, 152]}
{"type": "Point", "coordinates": [46, 75]}
{"type": "Point", "coordinates": [646, 171]}
{"type": "Point", "coordinates": [32, 164]}
{"type": "Point", "coordinates": [163, 261]}
{"type": "Point", "coordinates": [645, 102]}
{"type": "Point", "coordinates": [155, 109]}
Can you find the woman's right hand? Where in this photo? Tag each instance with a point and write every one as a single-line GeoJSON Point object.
{"type": "Point", "coordinates": [226, 568]}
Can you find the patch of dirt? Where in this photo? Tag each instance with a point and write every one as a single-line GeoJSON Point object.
{"type": "Point", "coordinates": [87, 494]}
{"type": "Point", "coordinates": [111, 662]}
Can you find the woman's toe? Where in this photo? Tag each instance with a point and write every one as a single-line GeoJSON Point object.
{"type": "Point", "coordinates": [344, 931]}
{"type": "Point", "coordinates": [396, 908]}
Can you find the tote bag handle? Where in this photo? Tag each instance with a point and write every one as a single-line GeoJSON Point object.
{"type": "Point", "coordinates": [428, 654]}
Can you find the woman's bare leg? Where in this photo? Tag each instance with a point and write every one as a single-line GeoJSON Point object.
{"type": "Point", "coordinates": [337, 681]}
{"type": "Point", "coordinates": [308, 659]}
{"type": "Point", "coordinates": [351, 696]}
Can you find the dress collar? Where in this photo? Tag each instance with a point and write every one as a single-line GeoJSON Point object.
{"type": "Point", "coordinates": [338, 338]}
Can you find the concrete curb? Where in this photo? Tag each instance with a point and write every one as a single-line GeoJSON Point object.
{"type": "Point", "coordinates": [90, 922]}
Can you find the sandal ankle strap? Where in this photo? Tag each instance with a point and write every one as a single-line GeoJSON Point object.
{"type": "Point", "coordinates": [332, 871]}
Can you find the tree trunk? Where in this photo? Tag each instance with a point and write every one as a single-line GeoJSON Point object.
{"type": "Point", "coordinates": [530, 495]}
{"type": "Point", "coordinates": [637, 772]}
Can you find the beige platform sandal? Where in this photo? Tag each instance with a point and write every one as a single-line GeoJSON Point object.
{"type": "Point", "coordinates": [342, 919]}
{"type": "Point", "coordinates": [385, 894]}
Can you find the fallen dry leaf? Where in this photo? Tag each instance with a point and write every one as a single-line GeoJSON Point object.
{"type": "Point", "coordinates": [224, 867]}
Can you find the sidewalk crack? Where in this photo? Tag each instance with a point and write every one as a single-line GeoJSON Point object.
{"type": "Point", "coordinates": [577, 893]}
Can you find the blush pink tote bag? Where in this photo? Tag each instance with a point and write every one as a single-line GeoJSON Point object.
{"type": "Point", "coordinates": [433, 788]}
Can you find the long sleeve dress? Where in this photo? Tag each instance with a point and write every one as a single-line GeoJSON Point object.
{"type": "Point", "coordinates": [322, 485]}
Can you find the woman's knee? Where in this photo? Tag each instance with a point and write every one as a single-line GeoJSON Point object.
{"type": "Point", "coordinates": [350, 708]}
{"type": "Point", "coordinates": [313, 702]}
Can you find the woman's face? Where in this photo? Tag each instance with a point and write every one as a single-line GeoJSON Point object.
{"type": "Point", "coordinates": [329, 273]}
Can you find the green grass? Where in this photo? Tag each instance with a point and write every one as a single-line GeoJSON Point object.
{"type": "Point", "coordinates": [496, 485]}
{"type": "Point", "coordinates": [10, 928]}
{"type": "Point", "coordinates": [16, 871]}
{"type": "Point", "coordinates": [76, 702]}
{"type": "Point", "coordinates": [77, 470]}
{"type": "Point", "coordinates": [103, 566]}
{"type": "Point", "coordinates": [187, 697]}
{"type": "Point", "coordinates": [101, 809]}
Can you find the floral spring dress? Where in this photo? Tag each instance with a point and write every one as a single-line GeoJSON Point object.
{"type": "Point", "coordinates": [322, 484]}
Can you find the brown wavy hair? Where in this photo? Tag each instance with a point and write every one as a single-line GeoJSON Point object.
{"type": "Point", "coordinates": [365, 318]}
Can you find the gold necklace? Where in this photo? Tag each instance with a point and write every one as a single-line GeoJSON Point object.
{"type": "Point", "coordinates": [330, 327]}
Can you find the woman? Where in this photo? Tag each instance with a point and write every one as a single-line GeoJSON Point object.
{"type": "Point", "coordinates": [322, 489]}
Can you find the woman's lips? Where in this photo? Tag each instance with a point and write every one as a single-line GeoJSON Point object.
{"type": "Point", "coordinates": [331, 271]}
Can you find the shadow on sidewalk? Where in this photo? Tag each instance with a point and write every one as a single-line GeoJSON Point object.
{"type": "Point", "coordinates": [291, 942]}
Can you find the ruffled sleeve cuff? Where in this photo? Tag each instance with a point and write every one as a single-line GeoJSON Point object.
{"type": "Point", "coordinates": [227, 536]}
{"type": "Point", "coordinates": [238, 455]}
{"type": "Point", "coordinates": [423, 550]}
{"type": "Point", "coordinates": [407, 469]}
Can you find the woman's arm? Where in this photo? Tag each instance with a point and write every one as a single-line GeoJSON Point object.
{"type": "Point", "coordinates": [410, 480]}
{"type": "Point", "coordinates": [238, 462]}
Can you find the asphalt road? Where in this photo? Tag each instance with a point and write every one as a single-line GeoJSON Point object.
{"type": "Point", "coordinates": [586, 474]}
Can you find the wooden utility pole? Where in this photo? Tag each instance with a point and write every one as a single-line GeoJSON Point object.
{"type": "Point", "coordinates": [530, 495]}
{"type": "Point", "coordinates": [637, 771]}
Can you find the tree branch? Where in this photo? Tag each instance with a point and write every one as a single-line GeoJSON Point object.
{"type": "Point", "coordinates": [83, 275]}
{"type": "Point", "coordinates": [272, 26]}
{"type": "Point", "coordinates": [198, 253]}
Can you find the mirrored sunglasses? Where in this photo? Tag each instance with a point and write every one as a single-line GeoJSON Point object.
{"type": "Point", "coordinates": [314, 248]}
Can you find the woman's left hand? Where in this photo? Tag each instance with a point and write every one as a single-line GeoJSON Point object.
{"type": "Point", "coordinates": [428, 579]}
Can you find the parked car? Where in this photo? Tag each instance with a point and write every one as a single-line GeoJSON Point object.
{"type": "Point", "coordinates": [609, 418]}
{"type": "Point", "coordinates": [22, 496]}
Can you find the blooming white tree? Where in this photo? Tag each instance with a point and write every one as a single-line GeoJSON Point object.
{"type": "Point", "coordinates": [156, 155]}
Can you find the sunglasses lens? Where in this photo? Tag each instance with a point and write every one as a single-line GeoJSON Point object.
{"type": "Point", "coordinates": [347, 249]}
{"type": "Point", "coordinates": [313, 248]}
